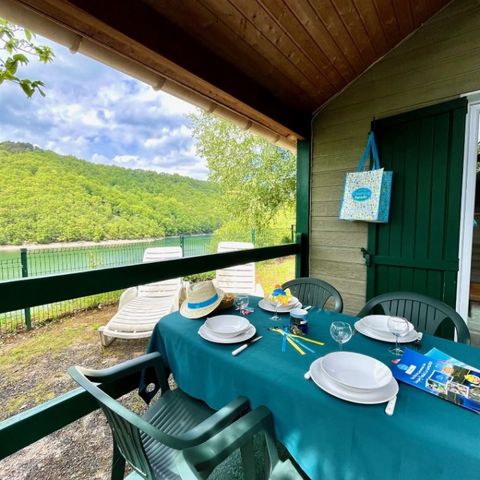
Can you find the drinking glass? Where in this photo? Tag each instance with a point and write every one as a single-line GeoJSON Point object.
{"type": "Point", "coordinates": [341, 332]}
{"type": "Point", "coordinates": [398, 326]}
{"type": "Point", "coordinates": [276, 302]}
{"type": "Point", "coordinates": [237, 302]}
{"type": "Point", "coordinates": [243, 301]}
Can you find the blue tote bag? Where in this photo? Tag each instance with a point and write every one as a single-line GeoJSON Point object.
{"type": "Point", "coordinates": [366, 194]}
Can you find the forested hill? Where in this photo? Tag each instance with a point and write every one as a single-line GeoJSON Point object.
{"type": "Point", "coordinates": [46, 197]}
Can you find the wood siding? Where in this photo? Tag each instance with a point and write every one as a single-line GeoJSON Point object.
{"type": "Point", "coordinates": [439, 62]}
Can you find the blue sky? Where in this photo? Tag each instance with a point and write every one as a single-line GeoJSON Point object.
{"type": "Point", "coordinates": [101, 115]}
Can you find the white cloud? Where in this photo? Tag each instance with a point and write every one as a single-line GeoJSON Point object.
{"type": "Point", "coordinates": [126, 159]}
{"type": "Point", "coordinates": [99, 114]}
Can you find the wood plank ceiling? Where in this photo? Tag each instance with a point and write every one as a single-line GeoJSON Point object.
{"type": "Point", "coordinates": [272, 61]}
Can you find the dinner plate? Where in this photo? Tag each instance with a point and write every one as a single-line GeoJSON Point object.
{"type": "Point", "coordinates": [354, 370]}
{"type": "Point", "coordinates": [368, 397]}
{"type": "Point", "coordinates": [227, 325]}
{"type": "Point", "coordinates": [208, 335]}
{"type": "Point", "coordinates": [387, 337]}
{"type": "Point", "coordinates": [379, 324]}
{"type": "Point", "coordinates": [266, 305]}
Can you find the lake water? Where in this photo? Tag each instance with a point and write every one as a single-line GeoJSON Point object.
{"type": "Point", "coordinates": [73, 259]}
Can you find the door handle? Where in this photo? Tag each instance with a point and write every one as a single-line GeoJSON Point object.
{"type": "Point", "coordinates": [367, 256]}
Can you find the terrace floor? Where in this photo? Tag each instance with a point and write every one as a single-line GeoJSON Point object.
{"type": "Point", "coordinates": [474, 323]}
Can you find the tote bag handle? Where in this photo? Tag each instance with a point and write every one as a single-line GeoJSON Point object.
{"type": "Point", "coordinates": [371, 146]}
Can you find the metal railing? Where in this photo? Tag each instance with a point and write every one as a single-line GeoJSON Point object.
{"type": "Point", "coordinates": [27, 427]}
{"type": "Point", "coordinates": [25, 263]}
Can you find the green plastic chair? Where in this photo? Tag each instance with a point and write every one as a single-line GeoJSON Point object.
{"type": "Point", "coordinates": [150, 443]}
{"type": "Point", "coordinates": [199, 462]}
{"type": "Point", "coordinates": [315, 292]}
{"type": "Point", "coordinates": [426, 313]}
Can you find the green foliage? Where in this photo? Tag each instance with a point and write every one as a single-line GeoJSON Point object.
{"type": "Point", "coordinates": [17, 46]}
{"type": "Point", "coordinates": [257, 179]}
{"type": "Point", "coordinates": [48, 198]}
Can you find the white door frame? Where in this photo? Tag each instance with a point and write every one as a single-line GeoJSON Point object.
{"type": "Point", "coordinates": [468, 204]}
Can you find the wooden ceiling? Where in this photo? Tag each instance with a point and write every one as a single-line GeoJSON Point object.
{"type": "Point", "coordinates": [273, 61]}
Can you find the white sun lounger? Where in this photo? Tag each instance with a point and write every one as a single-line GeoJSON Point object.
{"type": "Point", "coordinates": [240, 278]}
{"type": "Point", "coordinates": [140, 308]}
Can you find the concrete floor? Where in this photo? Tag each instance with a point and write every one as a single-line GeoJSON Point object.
{"type": "Point", "coordinates": [474, 324]}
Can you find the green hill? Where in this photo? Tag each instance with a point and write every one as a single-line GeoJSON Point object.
{"type": "Point", "coordinates": [46, 197]}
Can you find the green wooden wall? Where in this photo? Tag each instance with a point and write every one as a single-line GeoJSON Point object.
{"type": "Point", "coordinates": [439, 62]}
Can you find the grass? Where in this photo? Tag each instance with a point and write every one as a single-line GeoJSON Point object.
{"type": "Point", "coordinates": [275, 271]}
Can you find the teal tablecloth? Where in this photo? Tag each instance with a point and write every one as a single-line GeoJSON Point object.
{"type": "Point", "coordinates": [426, 438]}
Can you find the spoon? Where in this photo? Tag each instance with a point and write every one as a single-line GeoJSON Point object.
{"type": "Point", "coordinates": [307, 375]}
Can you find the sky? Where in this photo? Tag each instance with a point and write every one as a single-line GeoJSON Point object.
{"type": "Point", "coordinates": [98, 114]}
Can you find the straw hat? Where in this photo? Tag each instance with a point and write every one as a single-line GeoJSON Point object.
{"type": "Point", "coordinates": [202, 298]}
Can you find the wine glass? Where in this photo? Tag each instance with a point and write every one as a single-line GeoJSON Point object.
{"type": "Point", "coordinates": [341, 332]}
{"type": "Point", "coordinates": [398, 326]}
{"type": "Point", "coordinates": [276, 302]}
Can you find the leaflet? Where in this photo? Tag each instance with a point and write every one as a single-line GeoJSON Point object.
{"type": "Point", "coordinates": [440, 375]}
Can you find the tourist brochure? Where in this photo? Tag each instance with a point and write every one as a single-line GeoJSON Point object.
{"type": "Point", "coordinates": [439, 355]}
{"type": "Point", "coordinates": [444, 377]}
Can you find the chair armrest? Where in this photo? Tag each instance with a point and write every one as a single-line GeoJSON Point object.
{"type": "Point", "coordinates": [150, 365]}
{"type": "Point", "coordinates": [206, 456]}
{"type": "Point", "coordinates": [127, 296]}
{"type": "Point", "coordinates": [216, 422]}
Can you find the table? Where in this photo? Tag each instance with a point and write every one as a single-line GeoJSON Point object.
{"type": "Point", "coordinates": [331, 439]}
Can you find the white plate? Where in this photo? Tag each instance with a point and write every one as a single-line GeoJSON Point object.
{"type": "Point", "coordinates": [370, 397]}
{"type": "Point", "coordinates": [379, 324]}
{"type": "Point", "coordinates": [206, 334]}
{"type": "Point", "coordinates": [266, 305]}
{"type": "Point", "coordinates": [357, 371]}
{"type": "Point", "coordinates": [387, 337]}
{"type": "Point", "coordinates": [227, 325]}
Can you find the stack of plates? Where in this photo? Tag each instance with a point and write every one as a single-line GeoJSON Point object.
{"type": "Point", "coordinates": [354, 377]}
{"type": "Point", "coordinates": [269, 306]}
{"type": "Point", "coordinates": [227, 329]}
{"type": "Point", "coordinates": [376, 327]}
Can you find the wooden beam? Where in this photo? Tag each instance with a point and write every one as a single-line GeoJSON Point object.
{"type": "Point", "coordinates": [302, 265]}
{"type": "Point", "coordinates": [29, 292]}
{"type": "Point", "coordinates": [145, 25]}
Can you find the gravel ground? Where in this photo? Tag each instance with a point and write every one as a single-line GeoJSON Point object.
{"type": "Point", "coordinates": [33, 369]}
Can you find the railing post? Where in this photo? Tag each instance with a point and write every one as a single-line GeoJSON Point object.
{"type": "Point", "coordinates": [292, 233]}
{"type": "Point", "coordinates": [24, 262]}
{"type": "Point", "coordinates": [182, 244]}
{"type": "Point", "coordinates": [253, 235]}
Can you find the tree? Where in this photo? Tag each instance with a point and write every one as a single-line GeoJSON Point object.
{"type": "Point", "coordinates": [17, 46]}
{"type": "Point", "coordinates": [257, 178]}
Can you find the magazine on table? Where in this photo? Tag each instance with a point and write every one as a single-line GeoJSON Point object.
{"type": "Point", "coordinates": [439, 355]}
{"type": "Point", "coordinates": [440, 375]}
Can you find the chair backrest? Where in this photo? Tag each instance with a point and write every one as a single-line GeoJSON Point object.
{"type": "Point", "coordinates": [123, 423]}
{"type": "Point", "coordinates": [237, 279]}
{"type": "Point", "coordinates": [165, 288]}
{"type": "Point", "coordinates": [199, 461]}
{"type": "Point", "coordinates": [425, 313]}
{"type": "Point", "coordinates": [314, 292]}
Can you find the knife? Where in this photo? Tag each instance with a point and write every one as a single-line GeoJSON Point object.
{"type": "Point", "coordinates": [245, 345]}
{"type": "Point", "coordinates": [391, 406]}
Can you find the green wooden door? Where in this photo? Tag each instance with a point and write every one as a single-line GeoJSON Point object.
{"type": "Point", "coordinates": [418, 249]}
